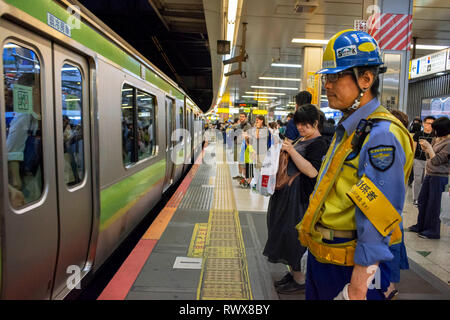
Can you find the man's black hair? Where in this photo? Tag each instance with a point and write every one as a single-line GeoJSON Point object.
{"type": "Point", "coordinates": [303, 97]}
{"type": "Point", "coordinates": [375, 70]}
{"type": "Point", "coordinates": [416, 127]}
{"type": "Point", "coordinates": [429, 117]}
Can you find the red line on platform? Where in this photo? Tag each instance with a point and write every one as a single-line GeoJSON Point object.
{"type": "Point", "coordinates": [121, 283]}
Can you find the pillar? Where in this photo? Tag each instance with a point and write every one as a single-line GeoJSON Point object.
{"type": "Point", "coordinates": [391, 25]}
{"type": "Point", "coordinates": [312, 62]}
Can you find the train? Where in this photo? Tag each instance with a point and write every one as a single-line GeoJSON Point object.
{"type": "Point", "coordinates": [87, 144]}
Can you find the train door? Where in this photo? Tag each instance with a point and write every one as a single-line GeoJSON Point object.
{"type": "Point", "coordinates": [191, 130]}
{"type": "Point", "coordinates": [178, 138]}
{"type": "Point", "coordinates": [73, 164]}
{"type": "Point", "coordinates": [28, 194]}
{"type": "Point", "coordinates": [188, 158]}
{"type": "Point", "coordinates": [170, 126]}
{"type": "Point", "coordinates": [182, 139]}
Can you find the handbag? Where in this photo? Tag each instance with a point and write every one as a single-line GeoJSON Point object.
{"type": "Point", "coordinates": [282, 177]}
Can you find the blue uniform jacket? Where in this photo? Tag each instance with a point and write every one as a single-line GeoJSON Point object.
{"type": "Point", "coordinates": [371, 245]}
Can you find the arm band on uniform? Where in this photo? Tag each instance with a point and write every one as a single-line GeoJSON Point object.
{"type": "Point", "coordinates": [375, 206]}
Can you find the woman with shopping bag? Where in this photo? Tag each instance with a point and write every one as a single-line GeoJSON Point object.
{"type": "Point", "coordinates": [289, 202]}
{"type": "Point", "coordinates": [261, 140]}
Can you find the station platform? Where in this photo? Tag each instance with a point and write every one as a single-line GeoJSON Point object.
{"type": "Point", "coordinates": [207, 244]}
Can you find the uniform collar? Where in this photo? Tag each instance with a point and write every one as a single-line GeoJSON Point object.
{"type": "Point", "coordinates": [350, 123]}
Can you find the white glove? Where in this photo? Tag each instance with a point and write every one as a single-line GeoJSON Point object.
{"type": "Point", "coordinates": [343, 295]}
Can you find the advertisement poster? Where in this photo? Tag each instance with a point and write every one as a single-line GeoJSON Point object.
{"type": "Point", "coordinates": [436, 107]}
{"type": "Point", "coordinates": [313, 81]}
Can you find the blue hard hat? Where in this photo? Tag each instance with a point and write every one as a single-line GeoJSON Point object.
{"type": "Point", "coordinates": [350, 48]}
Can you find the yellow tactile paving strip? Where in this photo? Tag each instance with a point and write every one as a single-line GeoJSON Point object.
{"type": "Point", "coordinates": [224, 268]}
{"type": "Point", "coordinates": [197, 246]}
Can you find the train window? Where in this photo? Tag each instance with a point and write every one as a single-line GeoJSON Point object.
{"type": "Point", "coordinates": [72, 118]}
{"type": "Point", "coordinates": [146, 125]}
{"type": "Point", "coordinates": [181, 127]}
{"type": "Point", "coordinates": [128, 148]}
{"type": "Point", "coordinates": [23, 117]}
{"type": "Point", "coordinates": [138, 125]}
{"type": "Point", "coordinates": [181, 118]}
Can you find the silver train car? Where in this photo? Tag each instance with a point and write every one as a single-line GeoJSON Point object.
{"type": "Point", "coordinates": [86, 144]}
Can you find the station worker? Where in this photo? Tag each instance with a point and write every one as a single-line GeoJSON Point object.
{"type": "Point", "coordinates": [355, 209]}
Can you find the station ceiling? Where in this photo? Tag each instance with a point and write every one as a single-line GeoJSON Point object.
{"type": "Point", "coordinates": [272, 24]}
{"type": "Point", "coordinates": [170, 34]}
{"type": "Point", "coordinates": [180, 36]}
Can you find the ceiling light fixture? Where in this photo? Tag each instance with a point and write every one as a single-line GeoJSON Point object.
{"type": "Point", "coordinates": [260, 97]}
{"type": "Point", "coordinates": [273, 93]}
{"type": "Point", "coordinates": [428, 47]}
{"type": "Point", "coordinates": [276, 88]}
{"type": "Point", "coordinates": [320, 41]}
{"type": "Point", "coordinates": [309, 41]}
{"type": "Point", "coordinates": [280, 79]}
{"type": "Point", "coordinates": [286, 65]}
{"type": "Point", "coordinates": [231, 23]}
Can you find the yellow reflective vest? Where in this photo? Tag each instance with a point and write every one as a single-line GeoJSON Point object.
{"type": "Point", "coordinates": [340, 189]}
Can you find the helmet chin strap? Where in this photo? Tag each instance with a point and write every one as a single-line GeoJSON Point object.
{"type": "Point", "coordinates": [357, 101]}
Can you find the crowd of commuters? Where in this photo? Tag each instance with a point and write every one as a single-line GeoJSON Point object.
{"type": "Point", "coordinates": [370, 155]}
{"type": "Point", "coordinates": [345, 187]}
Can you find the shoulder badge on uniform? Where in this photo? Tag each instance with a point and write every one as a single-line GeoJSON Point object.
{"type": "Point", "coordinates": [382, 157]}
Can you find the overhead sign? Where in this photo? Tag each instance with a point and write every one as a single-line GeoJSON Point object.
{"type": "Point", "coordinates": [222, 110]}
{"type": "Point", "coordinates": [436, 107]}
{"type": "Point", "coordinates": [360, 25]}
{"type": "Point", "coordinates": [263, 112]}
{"type": "Point", "coordinates": [244, 103]}
{"type": "Point", "coordinates": [280, 113]}
{"type": "Point", "coordinates": [430, 64]}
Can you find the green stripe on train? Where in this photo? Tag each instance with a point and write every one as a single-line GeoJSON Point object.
{"type": "Point", "coordinates": [117, 199]}
{"type": "Point", "coordinates": [93, 40]}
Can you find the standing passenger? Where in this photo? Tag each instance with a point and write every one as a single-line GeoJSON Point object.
{"type": "Point", "coordinates": [288, 204]}
{"type": "Point", "coordinates": [303, 97]}
{"type": "Point", "coordinates": [400, 260]}
{"type": "Point", "coordinates": [242, 128]}
{"type": "Point", "coordinates": [355, 209]}
{"type": "Point", "coordinates": [419, 156]}
{"type": "Point", "coordinates": [437, 170]}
